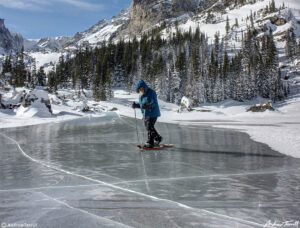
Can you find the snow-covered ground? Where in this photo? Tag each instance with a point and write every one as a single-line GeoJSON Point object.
{"type": "Point", "coordinates": [46, 59]}
{"type": "Point", "coordinates": [279, 129]}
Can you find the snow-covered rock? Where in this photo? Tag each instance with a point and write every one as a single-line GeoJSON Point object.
{"type": "Point", "coordinates": [186, 103]}
{"type": "Point", "coordinates": [83, 107]}
{"type": "Point", "coordinates": [27, 103]}
{"type": "Point", "coordinates": [37, 103]}
{"type": "Point", "coordinates": [263, 106]}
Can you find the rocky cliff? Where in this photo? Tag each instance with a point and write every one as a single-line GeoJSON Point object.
{"type": "Point", "coordinates": [9, 41]}
{"type": "Point", "coordinates": [146, 13]}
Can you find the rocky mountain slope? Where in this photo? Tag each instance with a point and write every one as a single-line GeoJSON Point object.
{"type": "Point", "coordinates": [142, 15]}
{"type": "Point", "coordinates": [145, 15]}
{"type": "Point", "coordinates": [9, 41]}
{"type": "Point", "coordinates": [46, 44]}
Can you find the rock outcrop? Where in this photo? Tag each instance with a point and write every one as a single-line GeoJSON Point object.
{"type": "Point", "coordinates": [37, 96]}
{"type": "Point", "coordinates": [146, 13]}
{"type": "Point", "coordinates": [263, 106]}
{"type": "Point", "coordinates": [9, 41]}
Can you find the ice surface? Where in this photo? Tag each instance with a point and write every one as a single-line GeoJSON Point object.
{"type": "Point", "coordinates": [88, 173]}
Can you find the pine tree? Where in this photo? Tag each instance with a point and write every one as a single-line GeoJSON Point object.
{"type": "Point", "coordinates": [86, 73]}
{"type": "Point", "coordinates": [158, 71]}
{"type": "Point", "coordinates": [52, 79]}
{"type": "Point", "coordinates": [227, 27]}
{"type": "Point", "coordinates": [272, 69]}
{"type": "Point", "coordinates": [107, 86]}
{"type": "Point", "coordinates": [158, 42]}
{"type": "Point", "coordinates": [272, 7]}
{"type": "Point", "coordinates": [7, 65]}
{"type": "Point", "coordinates": [291, 44]}
{"type": "Point", "coordinates": [263, 77]}
{"type": "Point", "coordinates": [34, 74]}
{"type": "Point", "coordinates": [60, 70]}
{"type": "Point", "coordinates": [225, 65]}
{"type": "Point", "coordinates": [256, 68]}
{"type": "Point", "coordinates": [181, 67]}
{"type": "Point", "coordinates": [98, 80]}
{"type": "Point", "coordinates": [279, 86]}
{"type": "Point", "coordinates": [126, 60]}
{"type": "Point", "coordinates": [266, 10]}
{"type": "Point", "coordinates": [28, 79]}
{"type": "Point", "coordinates": [184, 65]}
{"type": "Point", "coordinates": [239, 89]}
{"type": "Point", "coordinates": [236, 23]}
{"type": "Point", "coordinates": [211, 77]}
{"type": "Point", "coordinates": [41, 77]}
{"type": "Point", "coordinates": [298, 48]}
{"type": "Point", "coordinates": [241, 2]}
{"type": "Point", "coordinates": [20, 70]}
{"type": "Point", "coordinates": [251, 20]}
{"type": "Point", "coordinates": [76, 75]}
{"type": "Point", "coordinates": [120, 48]}
{"type": "Point", "coordinates": [176, 94]}
{"type": "Point", "coordinates": [195, 74]}
{"type": "Point", "coordinates": [288, 51]}
{"type": "Point", "coordinates": [217, 46]}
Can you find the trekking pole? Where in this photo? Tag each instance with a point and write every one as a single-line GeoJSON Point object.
{"type": "Point", "coordinates": [144, 120]}
{"type": "Point", "coordinates": [137, 132]}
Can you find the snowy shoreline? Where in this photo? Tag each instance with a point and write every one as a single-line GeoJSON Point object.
{"type": "Point", "coordinates": [278, 129]}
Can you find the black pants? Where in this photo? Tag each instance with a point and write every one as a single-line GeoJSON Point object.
{"type": "Point", "coordinates": [152, 133]}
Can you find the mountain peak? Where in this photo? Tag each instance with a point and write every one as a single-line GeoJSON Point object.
{"type": "Point", "coordinates": [1, 23]}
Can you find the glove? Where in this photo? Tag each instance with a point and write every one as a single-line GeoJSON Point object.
{"type": "Point", "coordinates": [135, 105]}
{"type": "Point", "coordinates": [147, 106]}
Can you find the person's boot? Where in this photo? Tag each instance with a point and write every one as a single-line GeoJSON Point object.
{"type": "Point", "coordinates": [158, 140]}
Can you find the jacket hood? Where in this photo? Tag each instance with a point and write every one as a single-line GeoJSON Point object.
{"type": "Point", "coordinates": [140, 84]}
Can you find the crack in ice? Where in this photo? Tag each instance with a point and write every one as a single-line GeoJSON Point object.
{"type": "Point", "coordinates": [206, 176]}
{"type": "Point", "coordinates": [48, 187]}
{"type": "Point", "coordinates": [135, 192]}
{"type": "Point", "coordinates": [83, 211]}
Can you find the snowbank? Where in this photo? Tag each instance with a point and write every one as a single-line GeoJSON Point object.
{"type": "Point", "coordinates": [279, 129]}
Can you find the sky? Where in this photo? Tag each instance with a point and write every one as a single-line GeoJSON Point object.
{"type": "Point", "coordinates": [35, 19]}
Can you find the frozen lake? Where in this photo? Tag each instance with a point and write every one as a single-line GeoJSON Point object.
{"type": "Point", "coordinates": [89, 173]}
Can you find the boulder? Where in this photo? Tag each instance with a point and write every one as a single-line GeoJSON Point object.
{"type": "Point", "coordinates": [277, 20]}
{"type": "Point", "coordinates": [186, 103]}
{"type": "Point", "coordinates": [113, 109]}
{"type": "Point", "coordinates": [37, 95]}
{"type": "Point", "coordinates": [6, 88]}
{"type": "Point", "coordinates": [263, 106]}
{"type": "Point", "coordinates": [27, 99]}
{"type": "Point", "coordinates": [84, 107]}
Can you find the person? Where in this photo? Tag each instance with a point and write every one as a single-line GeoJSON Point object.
{"type": "Point", "coordinates": [150, 110]}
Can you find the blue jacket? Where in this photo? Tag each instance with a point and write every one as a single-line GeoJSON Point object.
{"type": "Point", "coordinates": [148, 97]}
